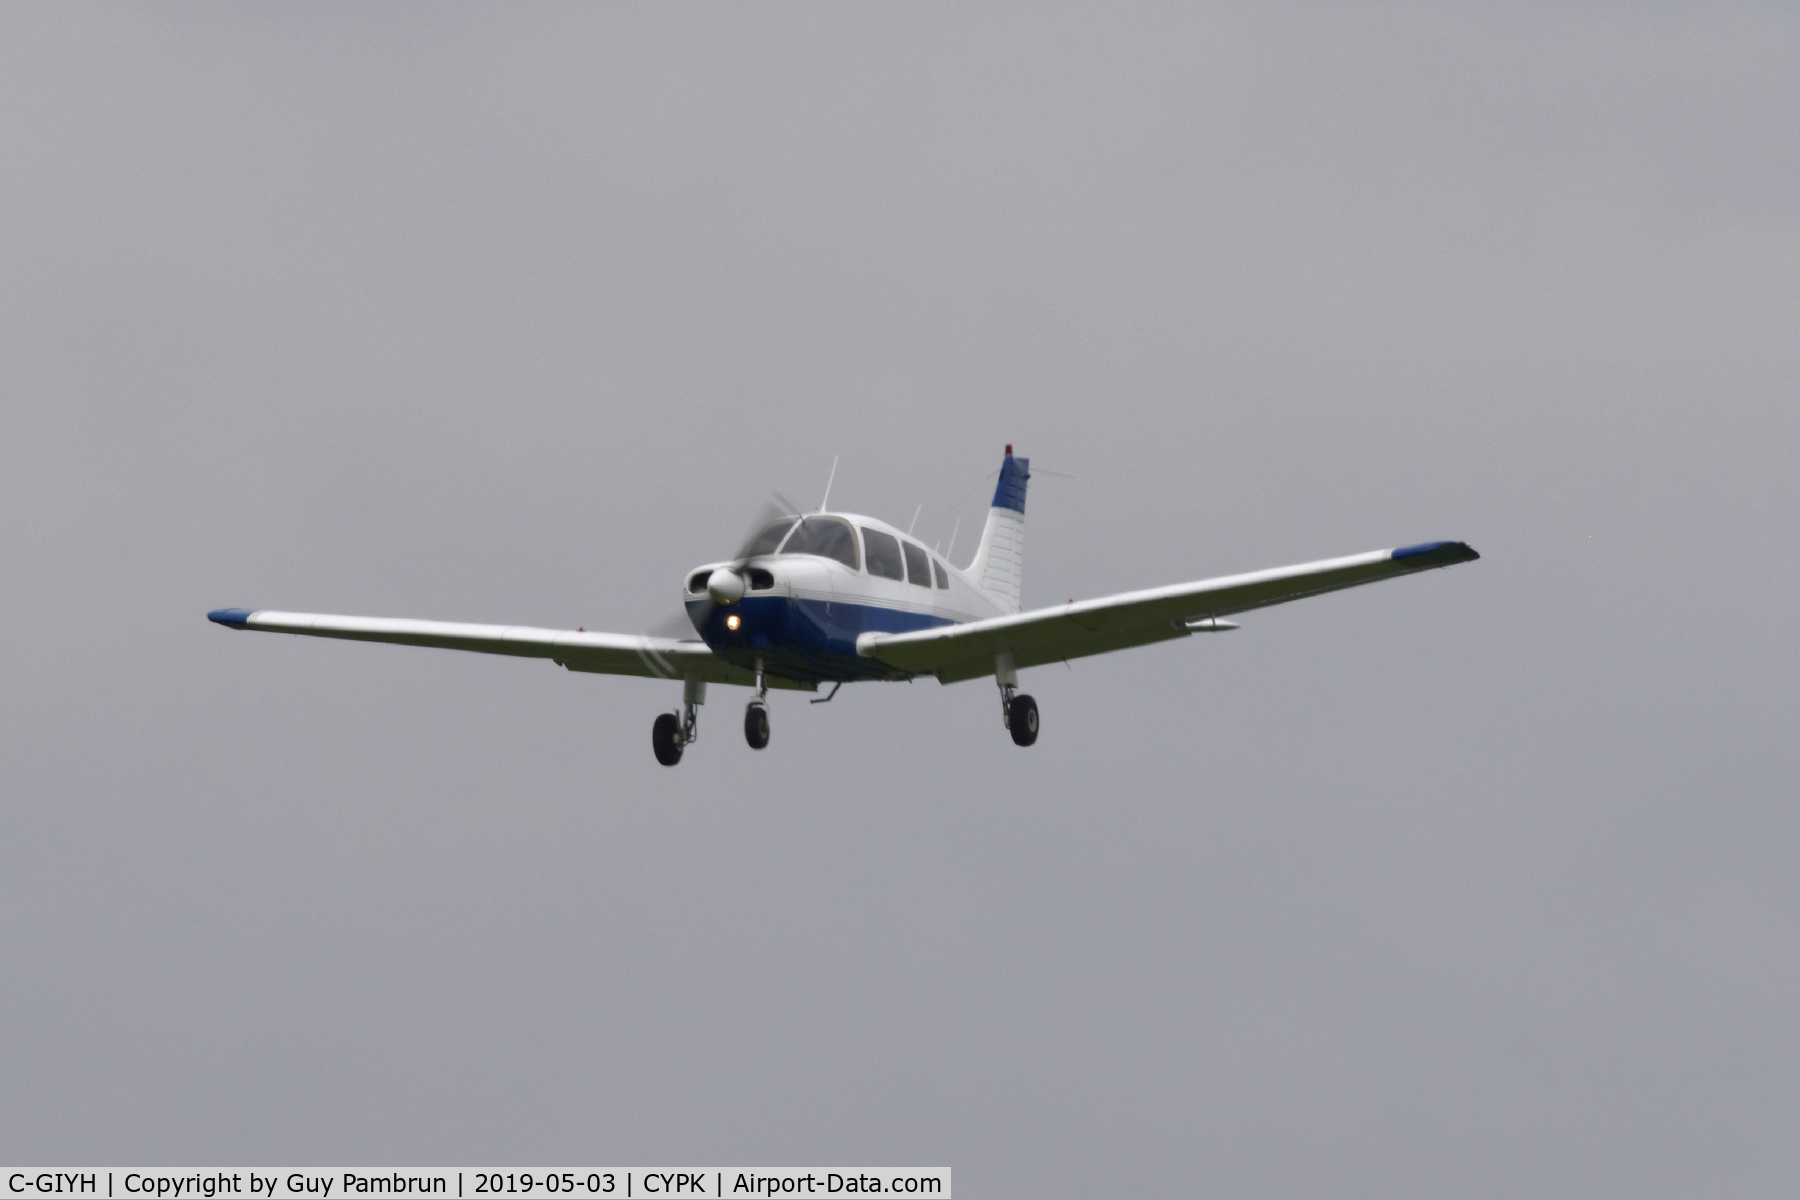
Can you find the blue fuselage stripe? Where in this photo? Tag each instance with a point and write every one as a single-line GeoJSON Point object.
{"type": "Point", "coordinates": [807, 640]}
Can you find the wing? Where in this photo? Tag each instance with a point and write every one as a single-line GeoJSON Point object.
{"type": "Point", "coordinates": [605, 653]}
{"type": "Point", "coordinates": [1073, 630]}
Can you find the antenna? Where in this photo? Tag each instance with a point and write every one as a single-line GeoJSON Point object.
{"type": "Point", "coordinates": [954, 528]}
{"type": "Point", "coordinates": [915, 519]}
{"type": "Point", "coordinates": [828, 483]}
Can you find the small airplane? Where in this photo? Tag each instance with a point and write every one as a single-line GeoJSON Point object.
{"type": "Point", "coordinates": [832, 597]}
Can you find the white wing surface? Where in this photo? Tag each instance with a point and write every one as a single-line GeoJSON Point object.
{"type": "Point", "coordinates": [1080, 628]}
{"type": "Point", "coordinates": [605, 653]}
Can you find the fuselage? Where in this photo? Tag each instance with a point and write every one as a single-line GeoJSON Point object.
{"type": "Point", "coordinates": [830, 577]}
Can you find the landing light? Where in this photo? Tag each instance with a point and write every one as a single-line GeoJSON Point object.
{"type": "Point", "coordinates": [732, 622]}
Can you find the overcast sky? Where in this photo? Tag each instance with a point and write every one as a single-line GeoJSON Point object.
{"type": "Point", "coordinates": [1479, 883]}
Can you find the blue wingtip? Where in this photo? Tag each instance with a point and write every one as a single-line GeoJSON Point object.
{"type": "Point", "coordinates": [1439, 554]}
{"type": "Point", "coordinates": [234, 618]}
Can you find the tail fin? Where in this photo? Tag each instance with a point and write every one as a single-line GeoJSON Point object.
{"type": "Point", "coordinates": [999, 566]}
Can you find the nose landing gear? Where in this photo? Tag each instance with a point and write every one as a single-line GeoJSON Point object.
{"type": "Point", "coordinates": [756, 725]}
{"type": "Point", "coordinates": [756, 713]}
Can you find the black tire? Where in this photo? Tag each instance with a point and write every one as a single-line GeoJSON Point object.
{"type": "Point", "coordinates": [662, 739]}
{"type": "Point", "coordinates": [756, 726]}
{"type": "Point", "coordinates": [1022, 720]}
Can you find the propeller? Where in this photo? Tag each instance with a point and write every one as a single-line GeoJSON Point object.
{"type": "Point", "coordinates": [726, 584]}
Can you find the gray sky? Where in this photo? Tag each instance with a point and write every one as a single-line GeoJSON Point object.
{"type": "Point", "coordinates": [1478, 884]}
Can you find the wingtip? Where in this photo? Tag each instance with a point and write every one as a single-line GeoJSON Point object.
{"type": "Point", "coordinates": [1438, 554]}
{"type": "Point", "coordinates": [231, 618]}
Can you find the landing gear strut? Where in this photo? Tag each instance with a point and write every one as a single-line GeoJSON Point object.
{"type": "Point", "coordinates": [756, 713]}
{"type": "Point", "coordinates": [674, 733]}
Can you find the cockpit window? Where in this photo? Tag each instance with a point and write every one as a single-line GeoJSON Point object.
{"type": "Point", "coordinates": [826, 536]}
{"type": "Point", "coordinates": [884, 554]}
{"type": "Point", "coordinates": [918, 566]}
{"type": "Point", "coordinates": [943, 580]}
{"type": "Point", "coordinates": [766, 541]}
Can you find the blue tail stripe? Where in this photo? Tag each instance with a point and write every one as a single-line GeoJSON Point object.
{"type": "Point", "coordinates": [1010, 491]}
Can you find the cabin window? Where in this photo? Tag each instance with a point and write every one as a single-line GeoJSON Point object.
{"type": "Point", "coordinates": [918, 564]}
{"type": "Point", "coordinates": [827, 537]}
{"type": "Point", "coordinates": [884, 554]}
{"type": "Point", "coordinates": [943, 579]}
{"type": "Point", "coordinates": [766, 541]}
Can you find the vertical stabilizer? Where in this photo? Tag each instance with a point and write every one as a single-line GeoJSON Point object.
{"type": "Point", "coordinates": [999, 566]}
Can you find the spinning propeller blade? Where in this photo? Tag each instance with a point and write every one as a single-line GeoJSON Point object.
{"type": "Point", "coordinates": [727, 585]}
{"type": "Point", "coordinates": [677, 627]}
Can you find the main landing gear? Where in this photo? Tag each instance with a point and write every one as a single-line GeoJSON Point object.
{"type": "Point", "coordinates": [1022, 719]}
{"type": "Point", "coordinates": [673, 733]}
{"type": "Point", "coordinates": [1018, 713]}
{"type": "Point", "coordinates": [666, 739]}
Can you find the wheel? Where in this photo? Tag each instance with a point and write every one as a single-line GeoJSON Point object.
{"type": "Point", "coordinates": [662, 739]}
{"type": "Point", "coordinates": [756, 726]}
{"type": "Point", "coordinates": [1022, 721]}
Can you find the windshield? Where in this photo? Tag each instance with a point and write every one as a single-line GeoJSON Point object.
{"type": "Point", "coordinates": [826, 536]}
{"type": "Point", "coordinates": [770, 537]}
